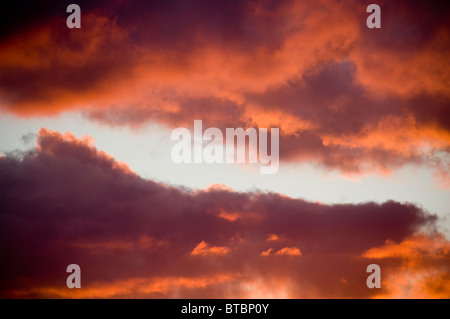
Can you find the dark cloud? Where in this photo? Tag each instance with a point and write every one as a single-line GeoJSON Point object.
{"type": "Point", "coordinates": [66, 202]}
{"type": "Point", "coordinates": [345, 96]}
{"type": "Point", "coordinates": [20, 16]}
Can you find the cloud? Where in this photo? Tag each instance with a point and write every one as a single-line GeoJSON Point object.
{"type": "Point", "coordinates": [66, 202]}
{"type": "Point", "coordinates": [267, 252]}
{"type": "Point", "coordinates": [286, 251]}
{"type": "Point", "coordinates": [129, 288]}
{"type": "Point", "coordinates": [204, 249]}
{"type": "Point", "coordinates": [273, 237]}
{"type": "Point", "coordinates": [289, 251]}
{"type": "Point", "coordinates": [424, 270]}
{"type": "Point", "coordinates": [345, 96]}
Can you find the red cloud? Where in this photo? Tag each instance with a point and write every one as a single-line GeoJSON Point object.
{"type": "Point", "coordinates": [204, 249]}
{"type": "Point", "coordinates": [54, 143]}
{"type": "Point", "coordinates": [425, 266]}
{"type": "Point", "coordinates": [345, 96]}
{"type": "Point", "coordinates": [289, 251]}
{"type": "Point", "coordinates": [66, 202]}
{"type": "Point", "coordinates": [286, 251]}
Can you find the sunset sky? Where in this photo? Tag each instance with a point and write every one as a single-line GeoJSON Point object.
{"type": "Point", "coordinates": [86, 175]}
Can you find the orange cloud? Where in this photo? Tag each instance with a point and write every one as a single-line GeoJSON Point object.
{"type": "Point", "coordinates": [289, 251]}
{"type": "Point", "coordinates": [412, 248]}
{"type": "Point", "coordinates": [203, 249]}
{"type": "Point", "coordinates": [130, 288]}
{"type": "Point", "coordinates": [424, 267]}
{"type": "Point", "coordinates": [344, 96]}
{"type": "Point", "coordinates": [286, 251]}
{"type": "Point", "coordinates": [267, 252]}
{"type": "Point", "coordinates": [404, 72]}
{"type": "Point", "coordinates": [273, 237]}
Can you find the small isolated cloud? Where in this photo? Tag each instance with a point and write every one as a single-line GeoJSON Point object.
{"type": "Point", "coordinates": [267, 252]}
{"type": "Point", "coordinates": [203, 249]}
{"type": "Point", "coordinates": [289, 251]}
{"type": "Point", "coordinates": [273, 237]}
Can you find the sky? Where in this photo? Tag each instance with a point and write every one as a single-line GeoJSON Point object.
{"type": "Point", "coordinates": [87, 178]}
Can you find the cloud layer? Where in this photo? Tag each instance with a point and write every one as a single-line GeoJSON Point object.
{"type": "Point", "coordinates": [65, 202]}
{"type": "Point", "coordinates": [345, 96]}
